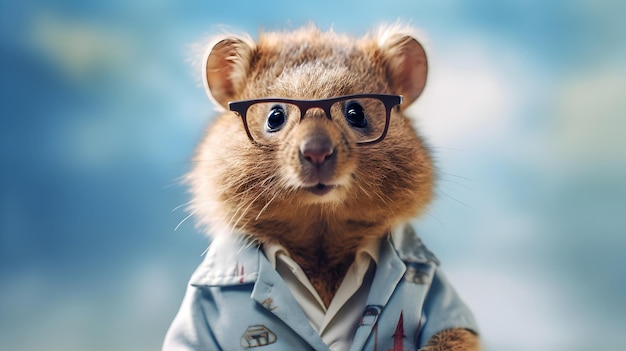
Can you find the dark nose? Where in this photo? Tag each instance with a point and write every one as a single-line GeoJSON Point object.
{"type": "Point", "coordinates": [317, 150]}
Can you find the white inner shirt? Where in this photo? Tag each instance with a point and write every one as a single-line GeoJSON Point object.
{"type": "Point", "coordinates": [337, 323]}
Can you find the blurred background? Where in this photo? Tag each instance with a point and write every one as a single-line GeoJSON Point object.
{"type": "Point", "coordinates": [525, 110]}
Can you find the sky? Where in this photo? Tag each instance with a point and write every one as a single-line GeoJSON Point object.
{"type": "Point", "coordinates": [524, 110]}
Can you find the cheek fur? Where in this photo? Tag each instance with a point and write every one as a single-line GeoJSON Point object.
{"type": "Point", "coordinates": [289, 169]}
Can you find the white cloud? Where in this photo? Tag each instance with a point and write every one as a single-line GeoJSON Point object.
{"type": "Point", "coordinates": [517, 310]}
{"type": "Point", "coordinates": [467, 98]}
{"type": "Point", "coordinates": [79, 48]}
{"type": "Point", "coordinates": [591, 119]}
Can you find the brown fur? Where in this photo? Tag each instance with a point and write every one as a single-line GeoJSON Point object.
{"type": "Point", "coordinates": [453, 340]}
{"type": "Point", "coordinates": [240, 187]}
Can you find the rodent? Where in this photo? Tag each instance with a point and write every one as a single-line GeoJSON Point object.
{"type": "Point", "coordinates": [304, 182]}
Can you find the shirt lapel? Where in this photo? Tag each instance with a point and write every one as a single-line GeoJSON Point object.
{"type": "Point", "coordinates": [389, 272]}
{"type": "Point", "coordinates": [271, 292]}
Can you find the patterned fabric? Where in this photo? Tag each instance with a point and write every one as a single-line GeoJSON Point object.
{"type": "Point", "coordinates": [236, 301]}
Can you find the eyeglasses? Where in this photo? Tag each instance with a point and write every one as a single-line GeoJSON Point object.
{"type": "Point", "coordinates": [365, 115]}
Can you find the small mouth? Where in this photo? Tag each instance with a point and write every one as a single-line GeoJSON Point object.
{"type": "Point", "coordinates": [320, 189]}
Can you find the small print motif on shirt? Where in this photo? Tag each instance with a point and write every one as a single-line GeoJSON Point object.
{"type": "Point", "coordinates": [257, 335]}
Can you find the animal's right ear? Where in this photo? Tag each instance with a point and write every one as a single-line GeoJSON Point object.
{"type": "Point", "coordinates": [225, 68]}
{"type": "Point", "coordinates": [406, 62]}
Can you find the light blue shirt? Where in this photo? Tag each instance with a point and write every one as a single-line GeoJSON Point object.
{"type": "Point", "coordinates": [237, 301]}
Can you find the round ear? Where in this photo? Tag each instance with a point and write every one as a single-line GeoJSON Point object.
{"type": "Point", "coordinates": [226, 67]}
{"type": "Point", "coordinates": [406, 63]}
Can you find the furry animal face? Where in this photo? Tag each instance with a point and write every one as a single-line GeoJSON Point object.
{"type": "Point", "coordinates": [314, 180]}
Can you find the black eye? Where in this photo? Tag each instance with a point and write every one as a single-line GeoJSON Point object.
{"type": "Point", "coordinates": [355, 115]}
{"type": "Point", "coordinates": [276, 119]}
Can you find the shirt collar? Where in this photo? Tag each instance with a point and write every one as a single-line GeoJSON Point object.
{"type": "Point", "coordinates": [275, 252]}
{"type": "Point", "coordinates": [410, 247]}
{"type": "Point", "coordinates": [231, 259]}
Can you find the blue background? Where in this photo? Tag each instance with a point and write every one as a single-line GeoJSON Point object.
{"type": "Point", "coordinates": [525, 110]}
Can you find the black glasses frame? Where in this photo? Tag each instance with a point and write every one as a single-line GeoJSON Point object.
{"type": "Point", "coordinates": [390, 101]}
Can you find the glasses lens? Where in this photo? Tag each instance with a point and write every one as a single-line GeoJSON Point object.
{"type": "Point", "coordinates": [268, 120]}
{"type": "Point", "coordinates": [365, 117]}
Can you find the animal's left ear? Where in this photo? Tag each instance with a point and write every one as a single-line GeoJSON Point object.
{"type": "Point", "coordinates": [406, 64]}
{"type": "Point", "coordinates": [226, 67]}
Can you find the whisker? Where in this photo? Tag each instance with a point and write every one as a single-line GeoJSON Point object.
{"type": "Point", "coordinates": [389, 208]}
{"type": "Point", "coordinates": [247, 207]}
{"type": "Point", "coordinates": [205, 251]}
{"type": "Point", "coordinates": [439, 191]}
{"type": "Point", "coordinates": [456, 176]}
{"type": "Point", "coordinates": [266, 205]}
{"type": "Point", "coordinates": [181, 205]}
{"type": "Point", "coordinates": [184, 219]}
{"type": "Point", "coordinates": [176, 182]}
{"type": "Point", "coordinates": [431, 215]}
{"type": "Point", "coordinates": [464, 186]}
